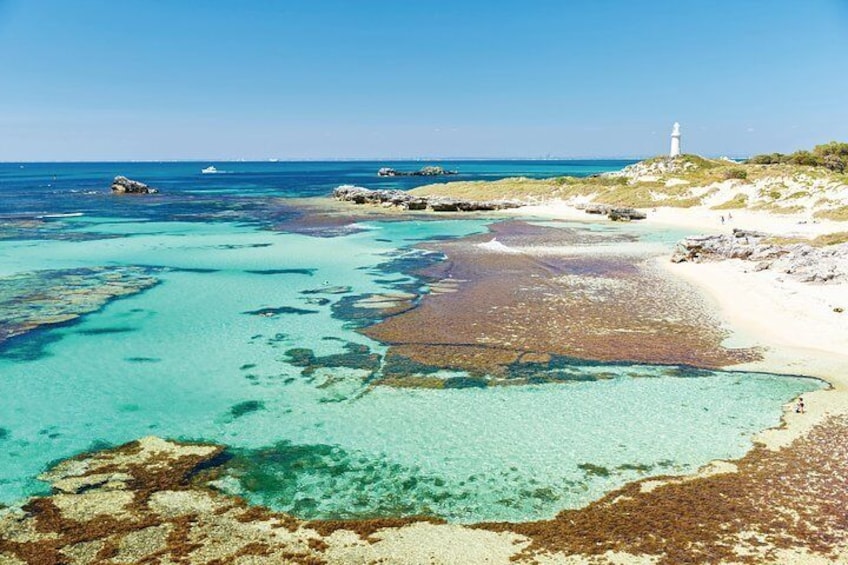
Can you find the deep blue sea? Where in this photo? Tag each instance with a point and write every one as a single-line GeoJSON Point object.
{"type": "Point", "coordinates": [39, 188]}
{"type": "Point", "coordinates": [205, 319]}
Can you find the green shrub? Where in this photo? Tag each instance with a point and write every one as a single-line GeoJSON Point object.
{"type": "Point", "coordinates": [735, 174]}
{"type": "Point", "coordinates": [833, 156]}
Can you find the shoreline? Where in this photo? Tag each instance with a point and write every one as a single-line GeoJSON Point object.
{"type": "Point", "coordinates": [793, 322]}
{"type": "Point", "coordinates": [789, 319]}
{"type": "Point", "coordinates": [799, 334]}
{"type": "Point", "coordinates": [700, 219]}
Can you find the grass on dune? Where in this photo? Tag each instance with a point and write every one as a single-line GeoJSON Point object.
{"type": "Point", "coordinates": [677, 183]}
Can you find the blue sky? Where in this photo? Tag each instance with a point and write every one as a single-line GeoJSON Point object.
{"type": "Point", "coordinates": [157, 79]}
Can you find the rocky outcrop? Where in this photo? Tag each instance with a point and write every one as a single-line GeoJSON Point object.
{"type": "Point", "coordinates": [800, 260]}
{"type": "Point", "coordinates": [407, 201]}
{"type": "Point", "coordinates": [658, 167]}
{"type": "Point", "coordinates": [615, 213]}
{"type": "Point", "coordinates": [123, 185]}
{"type": "Point", "coordinates": [429, 171]}
{"type": "Point", "coordinates": [153, 501]}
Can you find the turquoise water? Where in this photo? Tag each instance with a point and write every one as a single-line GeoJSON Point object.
{"type": "Point", "coordinates": [247, 340]}
{"type": "Point", "coordinates": [185, 359]}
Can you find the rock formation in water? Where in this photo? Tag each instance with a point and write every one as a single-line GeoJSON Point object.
{"type": "Point", "coordinates": [123, 185]}
{"type": "Point", "coordinates": [428, 171]}
{"type": "Point", "coordinates": [402, 199]}
{"type": "Point", "coordinates": [800, 260]}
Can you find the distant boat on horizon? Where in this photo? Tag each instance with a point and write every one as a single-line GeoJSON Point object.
{"type": "Point", "coordinates": [209, 170]}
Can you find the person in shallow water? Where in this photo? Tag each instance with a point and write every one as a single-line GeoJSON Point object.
{"type": "Point", "coordinates": [799, 408]}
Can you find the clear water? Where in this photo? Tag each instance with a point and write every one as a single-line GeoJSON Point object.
{"type": "Point", "coordinates": [185, 360]}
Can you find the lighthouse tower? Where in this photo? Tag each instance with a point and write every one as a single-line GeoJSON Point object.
{"type": "Point", "coordinates": [675, 141]}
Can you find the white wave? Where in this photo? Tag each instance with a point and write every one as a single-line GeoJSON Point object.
{"type": "Point", "coordinates": [497, 246]}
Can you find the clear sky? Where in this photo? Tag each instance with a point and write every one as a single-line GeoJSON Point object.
{"type": "Point", "coordinates": [291, 79]}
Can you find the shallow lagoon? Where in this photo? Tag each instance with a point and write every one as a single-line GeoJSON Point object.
{"type": "Point", "coordinates": [187, 359]}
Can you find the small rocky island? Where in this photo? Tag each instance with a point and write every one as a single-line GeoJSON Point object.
{"type": "Point", "coordinates": [428, 171]}
{"type": "Point", "coordinates": [407, 201]}
{"type": "Point", "coordinates": [123, 185]}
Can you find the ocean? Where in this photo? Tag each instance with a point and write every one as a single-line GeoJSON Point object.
{"type": "Point", "coordinates": [219, 311]}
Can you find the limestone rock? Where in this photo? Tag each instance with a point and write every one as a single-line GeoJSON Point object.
{"type": "Point", "coordinates": [428, 171]}
{"type": "Point", "coordinates": [123, 185]}
{"type": "Point", "coordinates": [799, 260]}
{"type": "Point", "coordinates": [403, 199]}
{"type": "Point", "coordinates": [615, 213]}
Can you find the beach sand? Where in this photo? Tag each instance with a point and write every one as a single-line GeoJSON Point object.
{"type": "Point", "coordinates": [794, 323]}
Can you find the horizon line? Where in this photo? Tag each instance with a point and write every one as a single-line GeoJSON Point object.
{"type": "Point", "coordinates": [353, 159]}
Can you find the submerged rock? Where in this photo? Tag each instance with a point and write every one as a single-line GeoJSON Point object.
{"type": "Point", "coordinates": [41, 298]}
{"type": "Point", "coordinates": [123, 185]}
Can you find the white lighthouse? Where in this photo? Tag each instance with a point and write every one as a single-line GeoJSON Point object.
{"type": "Point", "coordinates": [675, 141]}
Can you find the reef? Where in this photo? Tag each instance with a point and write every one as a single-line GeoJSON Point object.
{"type": "Point", "coordinates": [492, 290]}
{"type": "Point", "coordinates": [47, 227]}
{"type": "Point", "coordinates": [154, 500]}
{"type": "Point", "coordinates": [43, 298]}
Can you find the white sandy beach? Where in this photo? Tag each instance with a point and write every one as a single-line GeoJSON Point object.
{"type": "Point", "coordinates": [793, 322]}
{"type": "Point", "coordinates": [700, 219]}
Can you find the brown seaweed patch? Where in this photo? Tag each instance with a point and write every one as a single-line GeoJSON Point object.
{"type": "Point", "coordinates": [367, 528]}
{"type": "Point", "coordinates": [466, 382]}
{"type": "Point", "coordinates": [478, 361]}
{"type": "Point", "coordinates": [604, 307]}
{"type": "Point", "coordinates": [790, 498]}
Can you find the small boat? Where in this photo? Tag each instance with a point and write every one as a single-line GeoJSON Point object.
{"type": "Point", "coordinates": [209, 170]}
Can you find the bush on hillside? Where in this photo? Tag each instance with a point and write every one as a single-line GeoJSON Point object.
{"type": "Point", "coordinates": [735, 174]}
{"type": "Point", "coordinates": [833, 156]}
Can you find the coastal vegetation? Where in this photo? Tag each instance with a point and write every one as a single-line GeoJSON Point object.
{"type": "Point", "coordinates": [812, 183]}
{"type": "Point", "coordinates": [833, 156]}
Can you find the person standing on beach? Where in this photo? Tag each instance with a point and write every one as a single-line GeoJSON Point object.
{"type": "Point", "coordinates": [799, 408]}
